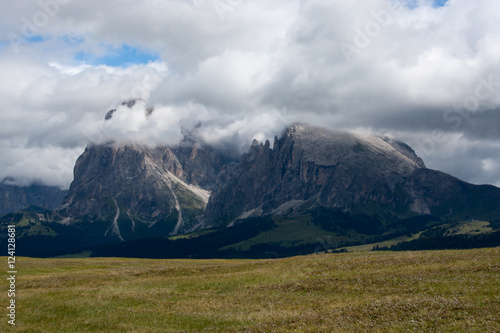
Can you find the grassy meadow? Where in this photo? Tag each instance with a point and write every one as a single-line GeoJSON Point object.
{"type": "Point", "coordinates": [434, 291]}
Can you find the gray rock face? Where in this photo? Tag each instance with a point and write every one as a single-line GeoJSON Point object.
{"type": "Point", "coordinates": [13, 197]}
{"type": "Point", "coordinates": [311, 166]}
{"type": "Point", "coordinates": [126, 192]}
{"type": "Point", "coordinates": [137, 188]}
{"type": "Point", "coordinates": [200, 164]}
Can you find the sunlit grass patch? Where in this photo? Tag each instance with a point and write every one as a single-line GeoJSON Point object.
{"type": "Point", "coordinates": [442, 291]}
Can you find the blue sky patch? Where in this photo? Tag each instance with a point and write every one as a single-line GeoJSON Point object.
{"type": "Point", "coordinates": [435, 3]}
{"type": "Point", "coordinates": [72, 40]}
{"type": "Point", "coordinates": [16, 40]}
{"type": "Point", "coordinates": [123, 56]}
{"type": "Point", "coordinates": [440, 3]}
{"type": "Point", "coordinates": [35, 39]}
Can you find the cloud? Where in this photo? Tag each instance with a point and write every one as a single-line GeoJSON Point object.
{"type": "Point", "coordinates": [424, 71]}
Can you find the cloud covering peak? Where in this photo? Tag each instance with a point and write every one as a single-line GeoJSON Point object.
{"type": "Point", "coordinates": [425, 72]}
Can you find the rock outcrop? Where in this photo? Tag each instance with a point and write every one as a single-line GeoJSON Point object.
{"type": "Point", "coordinates": [138, 191]}
{"type": "Point", "coordinates": [310, 166]}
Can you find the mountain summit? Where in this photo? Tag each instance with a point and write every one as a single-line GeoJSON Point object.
{"type": "Point", "coordinates": [133, 191]}
{"type": "Point", "coordinates": [309, 167]}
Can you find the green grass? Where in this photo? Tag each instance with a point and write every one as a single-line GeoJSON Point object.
{"type": "Point", "coordinates": [455, 228]}
{"type": "Point", "coordinates": [83, 254]}
{"type": "Point", "coordinates": [24, 223]}
{"type": "Point", "coordinates": [468, 227]}
{"type": "Point", "coordinates": [438, 291]}
{"type": "Point", "coordinates": [291, 230]}
{"type": "Point", "coordinates": [39, 230]}
{"type": "Point", "coordinates": [388, 243]}
{"type": "Point", "coordinates": [30, 226]}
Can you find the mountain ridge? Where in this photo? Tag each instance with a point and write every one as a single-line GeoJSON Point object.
{"type": "Point", "coordinates": [15, 197]}
{"type": "Point", "coordinates": [310, 166]}
{"type": "Point", "coordinates": [310, 182]}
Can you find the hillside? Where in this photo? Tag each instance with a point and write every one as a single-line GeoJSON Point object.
{"type": "Point", "coordinates": [259, 237]}
{"type": "Point", "coordinates": [443, 291]}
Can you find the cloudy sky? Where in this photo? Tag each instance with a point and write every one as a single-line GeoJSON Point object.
{"type": "Point", "coordinates": [426, 72]}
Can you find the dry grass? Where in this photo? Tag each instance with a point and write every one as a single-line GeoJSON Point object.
{"type": "Point", "coordinates": [442, 291]}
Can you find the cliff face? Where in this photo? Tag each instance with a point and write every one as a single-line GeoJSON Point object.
{"type": "Point", "coordinates": [311, 166]}
{"type": "Point", "coordinates": [200, 164]}
{"type": "Point", "coordinates": [370, 185]}
{"type": "Point", "coordinates": [141, 189]}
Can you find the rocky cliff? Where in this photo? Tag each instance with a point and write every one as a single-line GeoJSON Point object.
{"type": "Point", "coordinates": [309, 166]}
{"type": "Point", "coordinates": [319, 182]}
{"type": "Point", "coordinates": [137, 191]}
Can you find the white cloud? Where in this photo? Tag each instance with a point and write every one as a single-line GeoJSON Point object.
{"type": "Point", "coordinates": [247, 72]}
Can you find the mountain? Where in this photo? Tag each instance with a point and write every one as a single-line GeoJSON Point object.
{"type": "Point", "coordinates": [134, 191]}
{"type": "Point", "coordinates": [14, 198]}
{"type": "Point", "coordinates": [311, 167]}
{"type": "Point", "coordinates": [126, 191]}
{"type": "Point", "coordinates": [311, 189]}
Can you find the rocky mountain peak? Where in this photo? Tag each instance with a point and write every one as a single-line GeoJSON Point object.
{"type": "Point", "coordinates": [328, 148]}
{"type": "Point", "coordinates": [143, 190]}
{"type": "Point", "coordinates": [310, 166]}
